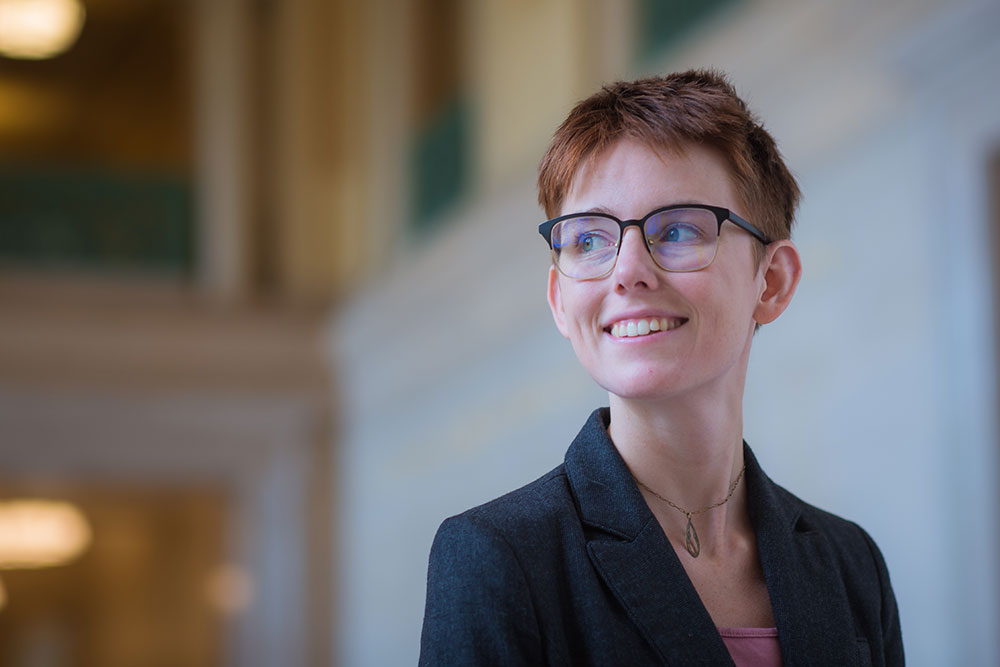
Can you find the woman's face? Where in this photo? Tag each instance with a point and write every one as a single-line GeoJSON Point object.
{"type": "Point", "coordinates": [709, 314]}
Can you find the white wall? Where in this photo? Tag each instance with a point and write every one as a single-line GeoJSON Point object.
{"type": "Point", "coordinates": [873, 396]}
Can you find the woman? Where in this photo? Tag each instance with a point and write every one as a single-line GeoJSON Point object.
{"type": "Point", "coordinates": [660, 540]}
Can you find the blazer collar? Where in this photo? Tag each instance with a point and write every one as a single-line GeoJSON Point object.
{"type": "Point", "coordinates": [633, 556]}
{"type": "Point", "coordinates": [804, 581]}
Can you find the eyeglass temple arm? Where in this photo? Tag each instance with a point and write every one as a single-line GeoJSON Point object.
{"type": "Point", "coordinates": [747, 227]}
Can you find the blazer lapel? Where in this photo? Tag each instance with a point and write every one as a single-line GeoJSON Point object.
{"type": "Point", "coordinates": [810, 605]}
{"type": "Point", "coordinates": [634, 557]}
{"type": "Point", "coordinates": [649, 582]}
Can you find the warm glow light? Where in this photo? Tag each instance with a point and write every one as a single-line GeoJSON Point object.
{"type": "Point", "coordinates": [229, 589]}
{"type": "Point", "coordinates": [34, 29]}
{"type": "Point", "coordinates": [41, 533]}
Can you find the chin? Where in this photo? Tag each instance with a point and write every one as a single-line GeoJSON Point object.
{"type": "Point", "coordinates": [642, 387]}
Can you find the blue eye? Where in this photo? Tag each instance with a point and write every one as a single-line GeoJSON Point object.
{"type": "Point", "coordinates": [585, 243]}
{"type": "Point", "coordinates": [678, 232]}
{"type": "Point", "coordinates": [591, 241]}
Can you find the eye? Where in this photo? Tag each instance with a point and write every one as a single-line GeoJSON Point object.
{"type": "Point", "coordinates": [676, 228]}
{"type": "Point", "coordinates": [585, 239]}
{"type": "Point", "coordinates": [677, 232]}
{"type": "Point", "coordinates": [593, 240]}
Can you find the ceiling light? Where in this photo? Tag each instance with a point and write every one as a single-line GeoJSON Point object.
{"type": "Point", "coordinates": [41, 533]}
{"type": "Point", "coordinates": [34, 29]}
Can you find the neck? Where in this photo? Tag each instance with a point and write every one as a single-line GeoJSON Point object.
{"type": "Point", "coordinates": [688, 450]}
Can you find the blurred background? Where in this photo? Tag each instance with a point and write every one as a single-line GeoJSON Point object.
{"type": "Point", "coordinates": [272, 303]}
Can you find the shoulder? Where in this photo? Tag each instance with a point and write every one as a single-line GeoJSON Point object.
{"type": "Point", "coordinates": [778, 510]}
{"type": "Point", "coordinates": [480, 605]}
{"type": "Point", "coordinates": [862, 571]}
{"type": "Point", "coordinates": [854, 553]}
{"type": "Point", "coordinates": [496, 553]}
{"type": "Point", "coordinates": [510, 520]}
{"type": "Point", "coordinates": [850, 543]}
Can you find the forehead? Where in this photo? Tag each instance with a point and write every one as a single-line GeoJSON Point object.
{"type": "Point", "coordinates": [629, 178]}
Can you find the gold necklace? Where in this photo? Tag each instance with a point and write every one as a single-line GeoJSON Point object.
{"type": "Point", "coordinates": [691, 541]}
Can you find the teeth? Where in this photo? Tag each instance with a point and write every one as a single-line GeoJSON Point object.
{"type": "Point", "coordinates": [634, 328]}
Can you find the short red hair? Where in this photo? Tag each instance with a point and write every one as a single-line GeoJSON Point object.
{"type": "Point", "coordinates": [693, 107]}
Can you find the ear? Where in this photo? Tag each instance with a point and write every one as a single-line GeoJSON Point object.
{"type": "Point", "coordinates": [555, 301]}
{"type": "Point", "coordinates": [782, 269]}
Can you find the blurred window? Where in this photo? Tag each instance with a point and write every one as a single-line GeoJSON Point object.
{"type": "Point", "coordinates": [95, 219]}
{"type": "Point", "coordinates": [97, 166]}
{"type": "Point", "coordinates": [440, 162]}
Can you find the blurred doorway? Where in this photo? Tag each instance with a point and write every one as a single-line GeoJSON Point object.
{"type": "Point", "coordinates": [152, 587]}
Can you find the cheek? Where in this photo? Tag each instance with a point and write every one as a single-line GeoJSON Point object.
{"type": "Point", "coordinates": [738, 318]}
{"type": "Point", "coordinates": [579, 307]}
{"type": "Point", "coordinates": [731, 314]}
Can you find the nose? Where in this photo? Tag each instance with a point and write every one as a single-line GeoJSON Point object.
{"type": "Point", "coordinates": [635, 267]}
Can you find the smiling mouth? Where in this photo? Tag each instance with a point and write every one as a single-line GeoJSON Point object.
{"type": "Point", "coordinates": [644, 327]}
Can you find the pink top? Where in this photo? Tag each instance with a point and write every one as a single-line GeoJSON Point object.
{"type": "Point", "coordinates": [753, 647]}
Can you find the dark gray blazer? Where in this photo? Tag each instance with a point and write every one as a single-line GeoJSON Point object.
{"type": "Point", "coordinates": [573, 569]}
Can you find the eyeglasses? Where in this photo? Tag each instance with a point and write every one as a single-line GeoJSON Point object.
{"type": "Point", "coordinates": [680, 238]}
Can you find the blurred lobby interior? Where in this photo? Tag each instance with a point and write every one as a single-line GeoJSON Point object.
{"type": "Point", "coordinates": [251, 356]}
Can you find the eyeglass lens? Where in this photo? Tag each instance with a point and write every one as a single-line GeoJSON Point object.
{"type": "Point", "coordinates": [680, 239]}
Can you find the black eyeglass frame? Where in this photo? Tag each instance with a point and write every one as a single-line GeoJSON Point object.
{"type": "Point", "coordinates": [721, 216]}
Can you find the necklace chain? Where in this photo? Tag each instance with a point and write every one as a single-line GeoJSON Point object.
{"type": "Point", "coordinates": [691, 541]}
{"type": "Point", "coordinates": [732, 490]}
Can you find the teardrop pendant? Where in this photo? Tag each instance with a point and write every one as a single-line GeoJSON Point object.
{"type": "Point", "coordinates": [691, 541]}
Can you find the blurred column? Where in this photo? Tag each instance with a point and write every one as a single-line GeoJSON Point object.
{"type": "Point", "coordinates": [221, 35]}
{"type": "Point", "coordinates": [387, 53]}
{"type": "Point", "coordinates": [528, 64]}
{"type": "Point", "coordinates": [318, 145]}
